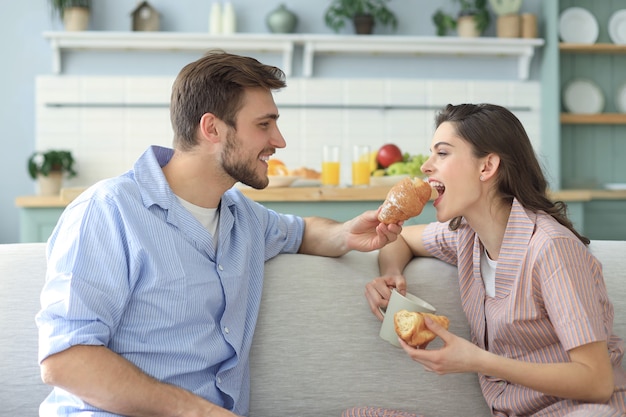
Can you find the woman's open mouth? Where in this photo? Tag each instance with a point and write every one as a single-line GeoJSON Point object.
{"type": "Point", "coordinates": [440, 188]}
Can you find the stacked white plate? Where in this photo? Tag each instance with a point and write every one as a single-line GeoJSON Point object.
{"type": "Point", "coordinates": [578, 25]}
{"type": "Point", "coordinates": [582, 96]}
{"type": "Point", "coordinates": [617, 27]}
{"type": "Point", "coordinates": [620, 99]}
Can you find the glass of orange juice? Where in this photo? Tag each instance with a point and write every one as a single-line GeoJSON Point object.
{"type": "Point", "coordinates": [360, 165]}
{"type": "Point", "coordinates": [330, 165]}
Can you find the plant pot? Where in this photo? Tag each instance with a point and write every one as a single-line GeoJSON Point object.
{"type": "Point", "coordinates": [76, 18]}
{"type": "Point", "coordinates": [508, 26]}
{"type": "Point", "coordinates": [51, 184]}
{"type": "Point", "coordinates": [363, 24]}
{"type": "Point", "coordinates": [466, 27]}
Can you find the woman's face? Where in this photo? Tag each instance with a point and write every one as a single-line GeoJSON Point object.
{"type": "Point", "coordinates": [454, 171]}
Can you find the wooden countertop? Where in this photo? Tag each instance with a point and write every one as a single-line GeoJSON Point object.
{"type": "Point", "coordinates": [316, 194]}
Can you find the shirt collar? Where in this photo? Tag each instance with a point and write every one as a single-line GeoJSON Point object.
{"type": "Point", "coordinates": [150, 178]}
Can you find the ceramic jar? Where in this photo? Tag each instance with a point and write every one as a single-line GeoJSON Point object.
{"type": "Point", "coordinates": [281, 20]}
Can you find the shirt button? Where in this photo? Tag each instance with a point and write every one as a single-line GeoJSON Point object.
{"type": "Point", "coordinates": [219, 380]}
{"type": "Point", "coordinates": [220, 267]}
{"type": "Point", "coordinates": [226, 330]}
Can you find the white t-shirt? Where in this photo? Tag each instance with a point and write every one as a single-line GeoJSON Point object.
{"type": "Point", "coordinates": [208, 217]}
{"type": "Point", "coordinates": [488, 272]}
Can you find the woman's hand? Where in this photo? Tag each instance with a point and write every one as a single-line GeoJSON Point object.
{"type": "Point", "coordinates": [378, 292]}
{"type": "Point", "coordinates": [456, 355]}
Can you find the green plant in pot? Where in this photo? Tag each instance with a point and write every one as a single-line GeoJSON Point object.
{"type": "Point", "coordinates": [363, 13]}
{"type": "Point", "coordinates": [49, 167]}
{"type": "Point", "coordinates": [471, 21]}
{"type": "Point", "coordinates": [74, 13]}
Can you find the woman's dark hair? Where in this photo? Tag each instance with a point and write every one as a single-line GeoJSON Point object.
{"type": "Point", "coordinates": [494, 129]}
{"type": "Point", "coordinates": [215, 84]}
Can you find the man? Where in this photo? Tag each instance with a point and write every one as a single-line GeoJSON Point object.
{"type": "Point", "coordinates": [154, 277]}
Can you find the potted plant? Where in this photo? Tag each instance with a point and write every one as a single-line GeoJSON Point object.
{"type": "Point", "coordinates": [472, 20]}
{"type": "Point", "coordinates": [508, 22]}
{"type": "Point", "coordinates": [363, 13]}
{"type": "Point", "coordinates": [74, 13]}
{"type": "Point", "coordinates": [48, 169]}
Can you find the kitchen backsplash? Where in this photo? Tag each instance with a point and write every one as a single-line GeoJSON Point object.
{"type": "Point", "coordinates": [107, 122]}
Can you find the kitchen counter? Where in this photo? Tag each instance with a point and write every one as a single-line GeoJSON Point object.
{"type": "Point", "coordinates": [318, 194]}
{"type": "Point", "coordinates": [599, 214]}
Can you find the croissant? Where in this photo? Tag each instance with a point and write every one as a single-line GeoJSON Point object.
{"type": "Point", "coordinates": [404, 200]}
{"type": "Point", "coordinates": [411, 328]}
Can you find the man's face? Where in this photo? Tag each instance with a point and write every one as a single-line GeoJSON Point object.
{"type": "Point", "coordinates": [250, 145]}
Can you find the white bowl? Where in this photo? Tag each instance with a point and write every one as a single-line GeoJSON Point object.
{"type": "Point", "coordinates": [281, 180]}
{"type": "Point", "coordinates": [387, 180]}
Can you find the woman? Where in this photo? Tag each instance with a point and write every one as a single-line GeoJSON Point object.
{"type": "Point", "coordinates": [535, 298]}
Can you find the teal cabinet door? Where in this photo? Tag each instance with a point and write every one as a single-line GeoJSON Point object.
{"type": "Point", "coordinates": [36, 224]}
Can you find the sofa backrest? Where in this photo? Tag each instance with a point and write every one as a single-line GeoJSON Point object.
{"type": "Point", "coordinates": [22, 271]}
{"type": "Point", "coordinates": [316, 350]}
{"type": "Point", "coordinates": [612, 254]}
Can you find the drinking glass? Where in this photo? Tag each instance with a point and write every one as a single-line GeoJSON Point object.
{"type": "Point", "coordinates": [330, 165]}
{"type": "Point", "coordinates": [360, 165]}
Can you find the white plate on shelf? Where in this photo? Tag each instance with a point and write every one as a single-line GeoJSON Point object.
{"type": "Point", "coordinates": [615, 186]}
{"type": "Point", "coordinates": [583, 97]}
{"type": "Point", "coordinates": [578, 25]}
{"type": "Point", "coordinates": [620, 98]}
{"type": "Point", "coordinates": [617, 27]}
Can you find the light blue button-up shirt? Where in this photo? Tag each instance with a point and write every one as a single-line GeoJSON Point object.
{"type": "Point", "coordinates": [129, 268]}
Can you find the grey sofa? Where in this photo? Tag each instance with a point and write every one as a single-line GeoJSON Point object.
{"type": "Point", "coordinates": [316, 349]}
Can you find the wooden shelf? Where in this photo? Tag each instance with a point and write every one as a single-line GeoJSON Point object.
{"type": "Point", "coordinates": [595, 48]}
{"type": "Point", "coordinates": [519, 49]}
{"type": "Point", "coordinates": [602, 118]}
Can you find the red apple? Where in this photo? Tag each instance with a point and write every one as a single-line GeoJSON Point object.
{"type": "Point", "coordinates": [389, 154]}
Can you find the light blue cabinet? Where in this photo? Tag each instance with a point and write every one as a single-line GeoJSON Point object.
{"type": "Point", "coordinates": [37, 223]}
{"type": "Point", "coordinates": [591, 148]}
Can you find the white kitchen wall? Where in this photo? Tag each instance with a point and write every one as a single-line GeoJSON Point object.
{"type": "Point", "coordinates": [108, 121]}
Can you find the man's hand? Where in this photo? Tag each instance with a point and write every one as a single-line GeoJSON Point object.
{"type": "Point", "coordinates": [366, 233]}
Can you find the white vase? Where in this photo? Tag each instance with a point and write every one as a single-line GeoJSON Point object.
{"type": "Point", "coordinates": [229, 20]}
{"type": "Point", "coordinates": [215, 19]}
{"type": "Point", "coordinates": [50, 184]}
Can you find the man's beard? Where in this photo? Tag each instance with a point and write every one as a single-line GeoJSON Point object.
{"type": "Point", "coordinates": [238, 169]}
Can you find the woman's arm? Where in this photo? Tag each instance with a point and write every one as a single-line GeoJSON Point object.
{"type": "Point", "coordinates": [392, 260]}
{"type": "Point", "coordinates": [106, 380]}
{"type": "Point", "coordinates": [587, 377]}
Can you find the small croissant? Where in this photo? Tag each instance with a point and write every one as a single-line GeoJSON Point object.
{"type": "Point", "coordinates": [404, 200]}
{"type": "Point", "coordinates": [411, 328]}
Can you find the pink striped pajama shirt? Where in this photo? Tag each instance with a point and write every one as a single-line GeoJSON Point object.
{"type": "Point", "coordinates": [550, 298]}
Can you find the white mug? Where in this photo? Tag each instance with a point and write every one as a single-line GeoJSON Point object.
{"type": "Point", "coordinates": [399, 302]}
